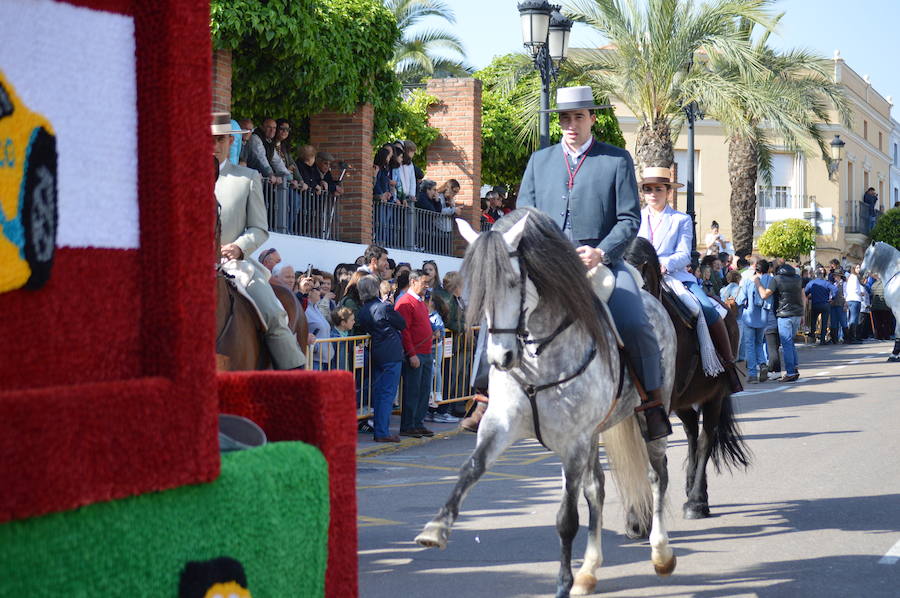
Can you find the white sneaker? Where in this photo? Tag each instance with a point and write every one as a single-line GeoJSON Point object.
{"type": "Point", "coordinates": [445, 418]}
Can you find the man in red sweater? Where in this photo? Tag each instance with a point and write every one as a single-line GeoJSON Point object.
{"type": "Point", "coordinates": [418, 361]}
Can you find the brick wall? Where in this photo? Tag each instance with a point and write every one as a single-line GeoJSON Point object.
{"type": "Point", "coordinates": [221, 81]}
{"type": "Point", "coordinates": [348, 137]}
{"type": "Point", "coordinates": [456, 153]}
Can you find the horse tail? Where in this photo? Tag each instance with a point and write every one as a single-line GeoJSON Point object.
{"type": "Point", "coordinates": [629, 462]}
{"type": "Point", "coordinates": [729, 448]}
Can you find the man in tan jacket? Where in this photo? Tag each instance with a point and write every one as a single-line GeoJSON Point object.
{"type": "Point", "coordinates": [244, 229]}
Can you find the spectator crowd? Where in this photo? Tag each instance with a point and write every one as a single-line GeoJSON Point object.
{"type": "Point", "coordinates": [774, 301]}
{"type": "Point", "coordinates": [406, 313]}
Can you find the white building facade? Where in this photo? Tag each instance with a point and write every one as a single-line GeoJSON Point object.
{"type": "Point", "coordinates": [894, 152]}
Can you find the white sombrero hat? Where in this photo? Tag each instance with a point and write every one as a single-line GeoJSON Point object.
{"type": "Point", "coordinates": [221, 125]}
{"type": "Point", "coordinates": [575, 98]}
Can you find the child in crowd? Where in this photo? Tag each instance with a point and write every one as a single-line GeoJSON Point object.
{"type": "Point", "coordinates": [342, 320]}
{"type": "Point", "coordinates": [437, 311]}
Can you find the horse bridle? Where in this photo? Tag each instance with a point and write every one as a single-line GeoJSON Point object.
{"type": "Point", "coordinates": [521, 333]}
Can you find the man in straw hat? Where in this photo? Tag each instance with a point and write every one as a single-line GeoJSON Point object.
{"type": "Point", "coordinates": [589, 189]}
{"type": "Point", "coordinates": [244, 229]}
{"type": "Point", "coordinates": [671, 232]}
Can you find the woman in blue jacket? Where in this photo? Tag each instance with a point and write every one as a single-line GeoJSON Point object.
{"type": "Point", "coordinates": [671, 233]}
{"type": "Point", "coordinates": [378, 319]}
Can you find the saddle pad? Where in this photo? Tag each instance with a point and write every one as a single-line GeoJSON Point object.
{"type": "Point", "coordinates": [240, 273]}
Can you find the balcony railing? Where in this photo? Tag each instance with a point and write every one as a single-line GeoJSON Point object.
{"type": "Point", "coordinates": [412, 228]}
{"type": "Point", "coordinates": [305, 214]}
{"type": "Point", "coordinates": [861, 217]}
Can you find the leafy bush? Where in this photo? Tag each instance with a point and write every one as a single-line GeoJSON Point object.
{"type": "Point", "coordinates": [887, 228]}
{"type": "Point", "coordinates": [294, 58]}
{"type": "Point", "coordinates": [789, 238]}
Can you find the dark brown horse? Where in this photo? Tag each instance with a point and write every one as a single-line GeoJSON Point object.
{"type": "Point", "coordinates": [719, 438]}
{"type": "Point", "coordinates": [239, 333]}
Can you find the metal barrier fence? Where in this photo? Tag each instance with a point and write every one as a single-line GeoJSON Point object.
{"type": "Point", "coordinates": [411, 228]}
{"type": "Point", "coordinates": [451, 382]}
{"type": "Point", "coordinates": [305, 214]}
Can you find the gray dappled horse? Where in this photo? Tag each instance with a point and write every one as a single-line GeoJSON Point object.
{"type": "Point", "coordinates": [557, 374]}
{"type": "Point", "coordinates": [884, 260]}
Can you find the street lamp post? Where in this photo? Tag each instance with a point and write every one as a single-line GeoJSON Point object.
{"type": "Point", "coordinates": [545, 33]}
{"type": "Point", "coordinates": [693, 113]}
{"type": "Point", "coordinates": [837, 154]}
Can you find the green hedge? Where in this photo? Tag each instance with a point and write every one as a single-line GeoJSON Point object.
{"type": "Point", "coordinates": [268, 509]}
{"type": "Point", "coordinates": [294, 58]}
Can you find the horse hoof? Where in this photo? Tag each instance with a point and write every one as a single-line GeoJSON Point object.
{"type": "Point", "coordinates": [696, 511]}
{"type": "Point", "coordinates": [665, 569]}
{"type": "Point", "coordinates": [893, 358]}
{"type": "Point", "coordinates": [584, 584]}
{"type": "Point", "coordinates": [433, 536]}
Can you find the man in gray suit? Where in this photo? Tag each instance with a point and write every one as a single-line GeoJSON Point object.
{"type": "Point", "coordinates": [589, 189]}
{"type": "Point", "coordinates": [244, 229]}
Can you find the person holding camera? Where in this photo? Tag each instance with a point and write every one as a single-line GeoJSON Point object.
{"type": "Point", "coordinates": [715, 241]}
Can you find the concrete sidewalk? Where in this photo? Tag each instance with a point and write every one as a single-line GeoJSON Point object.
{"type": "Point", "coordinates": [367, 447]}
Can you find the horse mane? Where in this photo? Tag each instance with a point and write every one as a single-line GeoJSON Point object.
{"type": "Point", "coordinates": [641, 254]}
{"type": "Point", "coordinates": [552, 264]}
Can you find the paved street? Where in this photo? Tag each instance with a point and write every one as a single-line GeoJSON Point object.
{"type": "Point", "coordinates": [818, 513]}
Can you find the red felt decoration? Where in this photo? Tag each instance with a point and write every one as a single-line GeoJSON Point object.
{"type": "Point", "coordinates": [318, 408]}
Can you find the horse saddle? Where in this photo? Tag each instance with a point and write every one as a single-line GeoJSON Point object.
{"type": "Point", "coordinates": [603, 281]}
{"type": "Point", "coordinates": [677, 308]}
{"type": "Point", "coordinates": [239, 273]}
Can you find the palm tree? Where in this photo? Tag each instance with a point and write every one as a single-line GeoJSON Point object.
{"type": "Point", "coordinates": [798, 93]}
{"type": "Point", "coordinates": [416, 54]}
{"type": "Point", "coordinates": [649, 64]}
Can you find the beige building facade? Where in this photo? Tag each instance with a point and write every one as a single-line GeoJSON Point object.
{"type": "Point", "coordinates": [798, 181]}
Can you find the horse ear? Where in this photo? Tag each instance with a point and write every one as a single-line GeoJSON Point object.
{"type": "Point", "coordinates": [514, 235]}
{"type": "Point", "coordinates": [465, 229]}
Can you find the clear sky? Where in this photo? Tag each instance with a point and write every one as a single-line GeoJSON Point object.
{"type": "Point", "coordinates": [865, 31]}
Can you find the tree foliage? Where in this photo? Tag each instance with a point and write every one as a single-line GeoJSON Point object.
{"type": "Point", "coordinates": [509, 86]}
{"type": "Point", "coordinates": [294, 58]}
{"type": "Point", "coordinates": [887, 228]}
{"type": "Point", "coordinates": [410, 121]}
{"type": "Point", "coordinates": [789, 238]}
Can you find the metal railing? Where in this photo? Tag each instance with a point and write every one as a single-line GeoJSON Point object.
{"type": "Point", "coordinates": [305, 214]}
{"type": "Point", "coordinates": [411, 228]}
{"type": "Point", "coordinates": [861, 217]}
{"type": "Point", "coordinates": [451, 381]}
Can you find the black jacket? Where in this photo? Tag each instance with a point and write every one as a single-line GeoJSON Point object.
{"type": "Point", "coordinates": [788, 288]}
{"type": "Point", "coordinates": [379, 320]}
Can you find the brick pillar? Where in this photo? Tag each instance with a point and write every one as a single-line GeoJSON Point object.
{"type": "Point", "coordinates": [221, 81]}
{"type": "Point", "coordinates": [348, 137]}
{"type": "Point", "coordinates": [456, 153]}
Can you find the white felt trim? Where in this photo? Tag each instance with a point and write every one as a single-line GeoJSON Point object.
{"type": "Point", "coordinates": [76, 67]}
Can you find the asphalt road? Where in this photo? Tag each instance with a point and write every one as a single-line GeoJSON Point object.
{"type": "Point", "coordinates": [817, 514]}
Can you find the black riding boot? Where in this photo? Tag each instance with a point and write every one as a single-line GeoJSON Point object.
{"type": "Point", "coordinates": [658, 425]}
{"type": "Point", "coordinates": [719, 334]}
